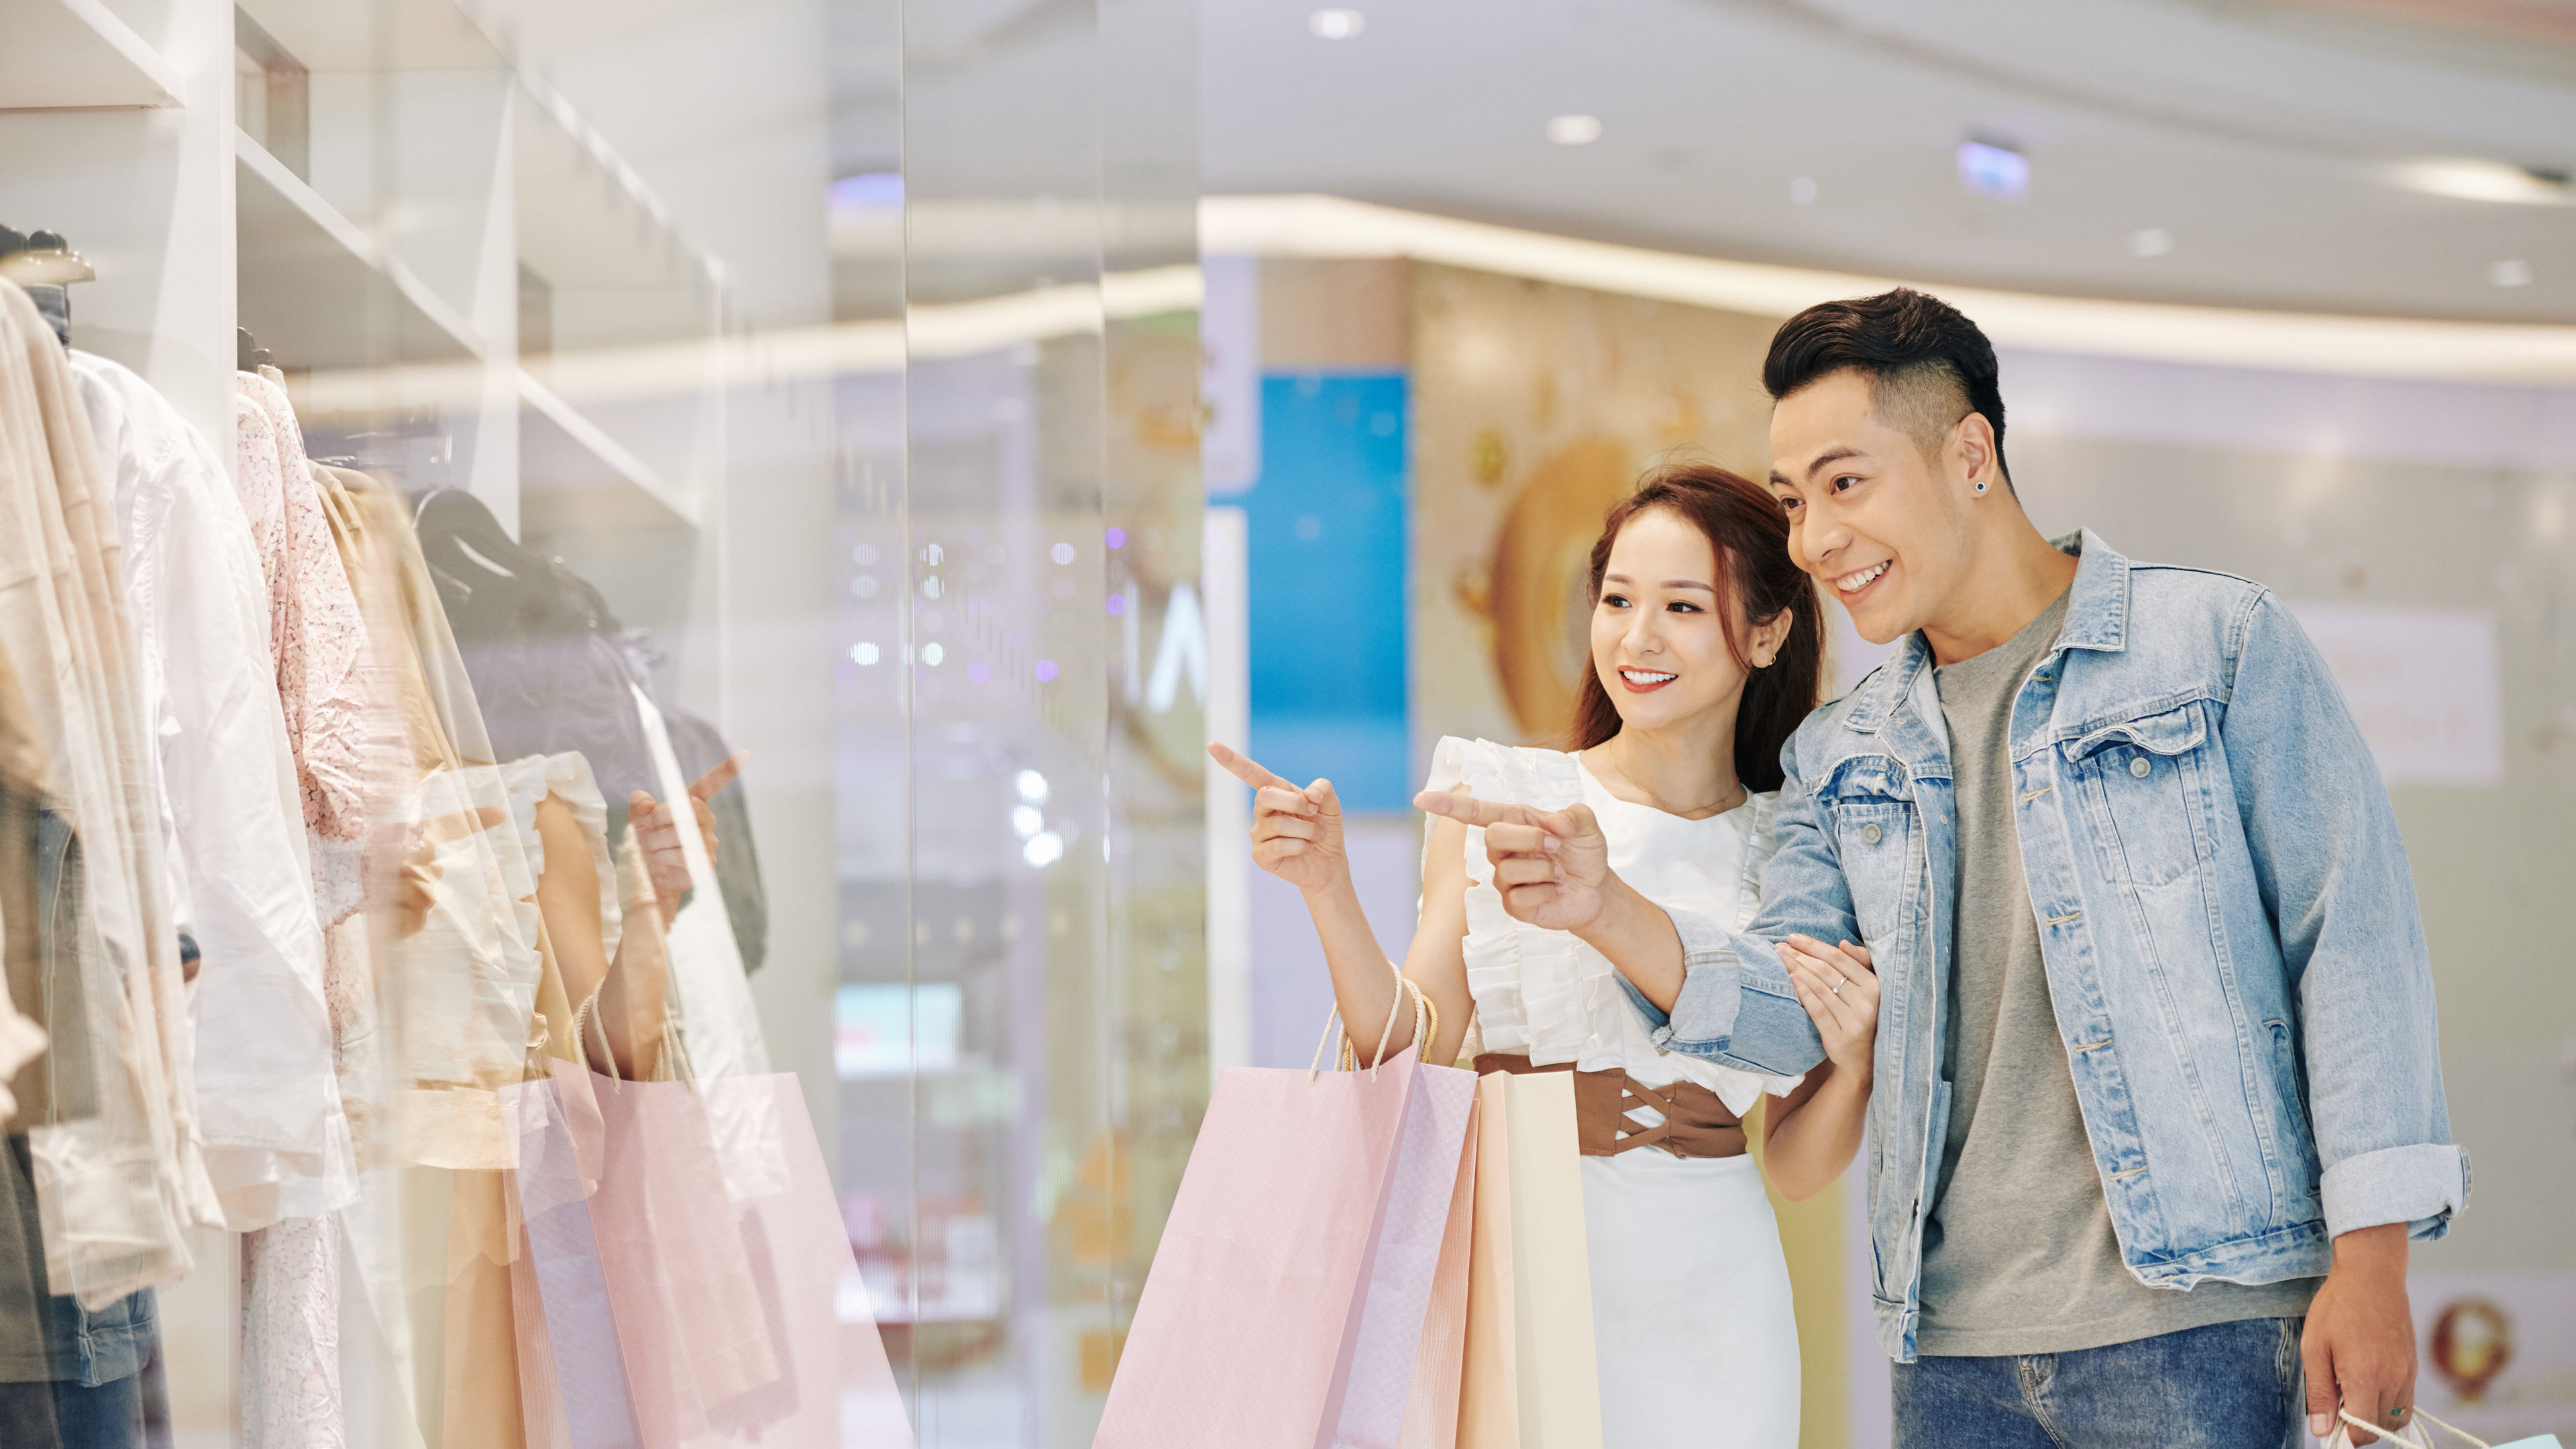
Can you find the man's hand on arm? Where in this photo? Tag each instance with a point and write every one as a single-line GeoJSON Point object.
{"type": "Point", "coordinates": [2359, 1347]}
{"type": "Point", "coordinates": [1552, 869]}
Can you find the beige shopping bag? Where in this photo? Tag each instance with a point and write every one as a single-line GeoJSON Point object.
{"type": "Point", "coordinates": [1530, 1380]}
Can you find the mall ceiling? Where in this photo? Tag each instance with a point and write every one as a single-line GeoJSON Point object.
{"type": "Point", "coordinates": [2397, 157]}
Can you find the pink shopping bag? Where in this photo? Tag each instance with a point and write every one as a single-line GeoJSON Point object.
{"type": "Point", "coordinates": [1439, 1365]}
{"type": "Point", "coordinates": [690, 1327]}
{"type": "Point", "coordinates": [1422, 1189]}
{"type": "Point", "coordinates": [689, 1316]}
{"type": "Point", "coordinates": [832, 1377]}
{"type": "Point", "coordinates": [1289, 1293]}
{"type": "Point", "coordinates": [563, 1253]}
{"type": "Point", "coordinates": [1244, 1332]}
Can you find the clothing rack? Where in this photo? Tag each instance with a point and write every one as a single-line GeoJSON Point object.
{"type": "Point", "coordinates": [46, 266]}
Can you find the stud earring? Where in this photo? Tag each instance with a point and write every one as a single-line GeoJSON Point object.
{"type": "Point", "coordinates": [1981, 487]}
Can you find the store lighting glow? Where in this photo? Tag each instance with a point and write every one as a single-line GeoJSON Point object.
{"type": "Point", "coordinates": [1336, 24]}
{"type": "Point", "coordinates": [1574, 130]}
{"type": "Point", "coordinates": [1338, 227]}
{"type": "Point", "coordinates": [2512, 272]}
{"type": "Point", "coordinates": [1027, 821]}
{"type": "Point", "coordinates": [1802, 191]}
{"type": "Point", "coordinates": [1989, 169]}
{"type": "Point", "coordinates": [2470, 178]}
{"type": "Point", "coordinates": [932, 654]}
{"type": "Point", "coordinates": [863, 653]}
{"type": "Point", "coordinates": [1032, 786]}
{"type": "Point", "coordinates": [1044, 849]}
{"type": "Point", "coordinates": [868, 191]}
{"type": "Point", "coordinates": [2152, 241]}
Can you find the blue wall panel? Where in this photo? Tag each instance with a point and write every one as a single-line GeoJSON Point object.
{"type": "Point", "coordinates": [1328, 554]}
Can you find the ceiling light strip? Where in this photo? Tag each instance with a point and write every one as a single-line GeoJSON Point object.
{"type": "Point", "coordinates": [1330, 226]}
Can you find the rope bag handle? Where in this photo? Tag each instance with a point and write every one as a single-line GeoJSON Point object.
{"type": "Point", "coordinates": [1426, 1025]}
{"type": "Point", "coordinates": [2420, 1440]}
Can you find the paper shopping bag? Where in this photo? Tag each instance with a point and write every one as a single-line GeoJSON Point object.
{"type": "Point", "coordinates": [1431, 1406]}
{"type": "Point", "coordinates": [832, 1377]}
{"type": "Point", "coordinates": [2419, 1434]}
{"type": "Point", "coordinates": [1422, 1188]}
{"type": "Point", "coordinates": [1246, 1328]}
{"type": "Point", "coordinates": [1531, 1379]}
{"type": "Point", "coordinates": [689, 1318]}
{"type": "Point", "coordinates": [563, 1252]}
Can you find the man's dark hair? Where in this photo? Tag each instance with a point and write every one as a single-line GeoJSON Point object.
{"type": "Point", "coordinates": [1928, 365]}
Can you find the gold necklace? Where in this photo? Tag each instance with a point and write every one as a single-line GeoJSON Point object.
{"type": "Point", "coordinates": [1735, 795]}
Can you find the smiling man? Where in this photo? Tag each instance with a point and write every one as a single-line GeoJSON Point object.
{"type": "Point", "coordinates": [2157, 1102]}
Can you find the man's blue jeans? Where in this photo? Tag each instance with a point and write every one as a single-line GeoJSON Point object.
{"type": "Point", "coordinates": [2226, 1386]}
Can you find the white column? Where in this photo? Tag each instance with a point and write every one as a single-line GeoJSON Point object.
{"type": "Point", "coordinates": [1222, 584]}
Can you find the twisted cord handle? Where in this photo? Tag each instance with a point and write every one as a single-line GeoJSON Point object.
{"type": "Point", "coordinates": [2352, 1421]}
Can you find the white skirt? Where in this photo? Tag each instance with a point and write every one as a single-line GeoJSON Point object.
{"type": "Point", "coordinates": [1691, 1315]}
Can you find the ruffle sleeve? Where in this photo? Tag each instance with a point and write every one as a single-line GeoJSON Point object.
{"type": "Point", "coordinates": [566, 776]}
{"type": "Point", "coordinates": [1529, 985]}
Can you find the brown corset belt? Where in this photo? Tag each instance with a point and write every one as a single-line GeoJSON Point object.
{"type": "Point", "coordinates": [1696, 1123]}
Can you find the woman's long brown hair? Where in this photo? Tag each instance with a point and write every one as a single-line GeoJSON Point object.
{"type": "Point", "coordinates": [1750, 536]}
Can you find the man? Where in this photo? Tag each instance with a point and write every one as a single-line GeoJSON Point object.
{"type": "Point", "coordinates": [2156, 1055]}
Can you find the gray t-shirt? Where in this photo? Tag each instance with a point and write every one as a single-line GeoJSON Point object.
{"type": "Point", "coordinates": [2019, 1256]}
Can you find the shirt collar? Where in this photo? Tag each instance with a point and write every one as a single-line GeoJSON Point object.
{"type": "Point", "coordinates": [2097, 617]}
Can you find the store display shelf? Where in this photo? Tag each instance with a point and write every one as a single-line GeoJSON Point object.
{"type": "Point", "coordinates": [574, 476]}
{"type": "Point", "coordinates": [586, 219]}
{"type": "Point", "coordinates": [407, 35]}
{"type": "Point", "coordinates": [76, 55]}
{"type": "Point", "coordinates": [318, 292]}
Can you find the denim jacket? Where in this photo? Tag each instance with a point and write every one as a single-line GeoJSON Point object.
{"type": "Point", "coordinates": [2232, 943]}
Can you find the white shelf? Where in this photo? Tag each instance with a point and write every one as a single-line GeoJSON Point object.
{"type": "Point", "coordinates": [574, 476]}
{"type": "Point", "coordinates": [76, 55]}
{"type": "Point", "coordinates": [583, 220]}
{"type": "Point", "coordinates": [403, 35]}
{"type": "Point", "coordinates": [317, 292]}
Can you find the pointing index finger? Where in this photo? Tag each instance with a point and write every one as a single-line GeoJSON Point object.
{"type": "Point", "coordinates": [1468, 810]}
{"type": "Point", "coordinates": [1245, 770]}
{"type": "Point", "coordinates": [722, 775]}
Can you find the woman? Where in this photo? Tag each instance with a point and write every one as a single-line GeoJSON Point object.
{"type": "Point", "coordinates": [1706, 652]}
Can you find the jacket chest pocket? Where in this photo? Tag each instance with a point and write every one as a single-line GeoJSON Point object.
{"type": "Point", "coordinates": [2143, 783]}
{"type": "Point", "coordinates": [1875, 825]}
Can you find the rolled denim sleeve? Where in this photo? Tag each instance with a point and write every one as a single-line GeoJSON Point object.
{"type": "Point", "coordinates": [1736, 1006]}
{"type": "Point", "coordinates": [2333, 875]}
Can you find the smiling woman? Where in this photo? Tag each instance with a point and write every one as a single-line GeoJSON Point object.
{"type": "Point", "coordinates": [1743, 589]}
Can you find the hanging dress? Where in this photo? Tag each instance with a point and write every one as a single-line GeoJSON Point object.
{"type": "Point", "coordinates": [1692, 1322]}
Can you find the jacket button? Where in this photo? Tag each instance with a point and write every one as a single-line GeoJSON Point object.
{"type": "Point", "coordinates": [1869, 834]}
{"type": "Point", "coordinates": [2140, 768]}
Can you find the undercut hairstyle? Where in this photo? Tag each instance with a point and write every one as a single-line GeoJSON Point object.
{"type": "Point", "coordinates": [1749, 534]}
{"type": "Point", "coordinates": [1928, 365]}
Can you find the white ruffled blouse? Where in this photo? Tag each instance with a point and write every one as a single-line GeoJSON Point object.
{"type": "Point", "coordinates": [1548, 995]}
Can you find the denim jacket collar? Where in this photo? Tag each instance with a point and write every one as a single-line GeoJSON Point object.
{"type": "Point", "coordinates": [2097, 617]}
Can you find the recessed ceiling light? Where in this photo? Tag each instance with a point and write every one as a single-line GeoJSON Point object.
{"type": "Point", "coordinates": [2469, 178]}
{"type": "Point", "coordinates": [1574, 130]}
{"type": "Point", "coordinates": [2512, 272]}
{"type": "Point", "coordinates": [2153, 241]}
{"type": "Point", "coordinates": [1336, 24]}
{"type": "Point", "coordinates": [1802, 191]}
{"type": "Point", "coordinates": [1991, 168]}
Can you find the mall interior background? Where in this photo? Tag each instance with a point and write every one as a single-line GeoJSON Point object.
{"type": "Point", "coordinates": [982, 403]}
